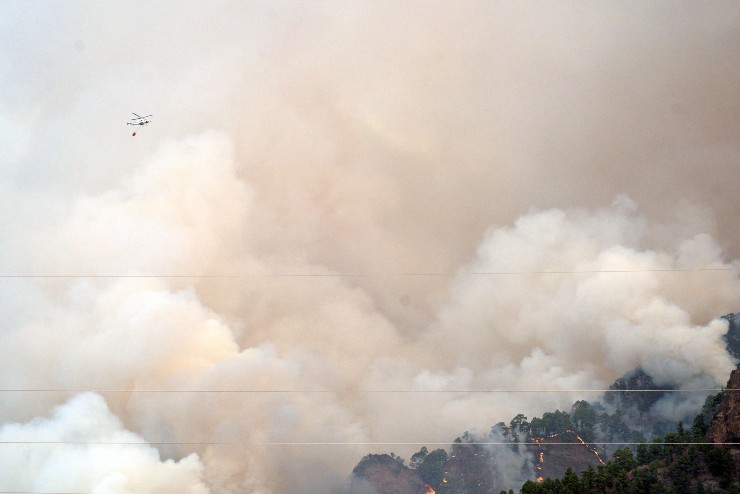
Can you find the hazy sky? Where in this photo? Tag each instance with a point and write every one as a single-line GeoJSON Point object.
{"type": "Point", "coordinates": [344, 167]}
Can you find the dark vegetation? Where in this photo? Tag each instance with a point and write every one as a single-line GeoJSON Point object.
{"type": "Point", "coordinates": [681, 462]}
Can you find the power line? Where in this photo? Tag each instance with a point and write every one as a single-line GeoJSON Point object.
{"type": "Point", "coordinates": [485, 443]}
{"type": "Point", "coordinates": [366, 275]}
{"type": "Point", "coordinates": [372, 391]}
{"type": "Point", "coordinates": [349, 443]}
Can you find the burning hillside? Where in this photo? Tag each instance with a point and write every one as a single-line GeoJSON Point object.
{"type": "Point", "coordinates": [542, 448]}
{"type": "Point", "coordinates": [474, 468]}
{"type": "Point", "coordinates": [555, 453]}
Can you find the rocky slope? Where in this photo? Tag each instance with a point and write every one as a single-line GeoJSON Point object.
{"type": "Point", "coordinates": [386, 474]}
{"type": "Point", "coordinates": [725, 427]}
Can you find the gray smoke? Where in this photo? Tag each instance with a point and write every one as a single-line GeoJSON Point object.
{"type": "Point", "coordinates": [308, 208]}
{"type": "Point", "coordinates": [512, 465]}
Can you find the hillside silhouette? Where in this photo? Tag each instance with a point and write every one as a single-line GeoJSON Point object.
{"type": "Point", "coordinates": [578, 452]}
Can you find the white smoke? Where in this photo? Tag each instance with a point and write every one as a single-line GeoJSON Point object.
{"type": "Point", "coordinates": [562, 321]}
{"type": "Point", "coordinates": [512, 465]}
{"type": "Point", "coordinates": [332, 205]}
{"type": "Point", "coordinates": [82, 447]}
{"type": "Point", "coordinates": [623, 308]}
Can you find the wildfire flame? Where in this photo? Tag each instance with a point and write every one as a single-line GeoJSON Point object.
{"type": "Point", "coordinates": [539, 441]}
{"type": "Point", "coordinates": [429, 490]}
{"type": "Point", "coordinates": [591, 448]}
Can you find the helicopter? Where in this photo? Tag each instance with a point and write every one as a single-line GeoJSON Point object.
{"type": "Point", "coordinates": [139, 120]}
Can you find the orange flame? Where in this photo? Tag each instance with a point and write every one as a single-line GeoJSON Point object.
{"type": "Point", "coordinates": [429, 490]}
{"type": "Point", "coordinates": [590, 448]}
{"type": "Point", "coordinates": [541, 460]}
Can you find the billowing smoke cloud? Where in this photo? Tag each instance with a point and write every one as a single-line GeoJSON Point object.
{"type": "Point", "coordinates": [622, 306]}
{"type": "Point", "coordinates": [83, 448]}
{"type": "Point", "coordinates": [335, 203]}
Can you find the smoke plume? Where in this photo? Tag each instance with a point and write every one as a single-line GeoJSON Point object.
{"type": "Point", "coordinates": [341, 220]}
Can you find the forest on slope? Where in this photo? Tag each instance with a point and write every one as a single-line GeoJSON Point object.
{"type": "Point", "coordinates": [616, 445]}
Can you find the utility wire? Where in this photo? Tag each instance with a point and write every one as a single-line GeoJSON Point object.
{"type": "Point", "coordinates": [368, 391]}
{"type": "Point", "coordinates": [349, 443]}
{"type": "Point", "coordinates": [369, 275]}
